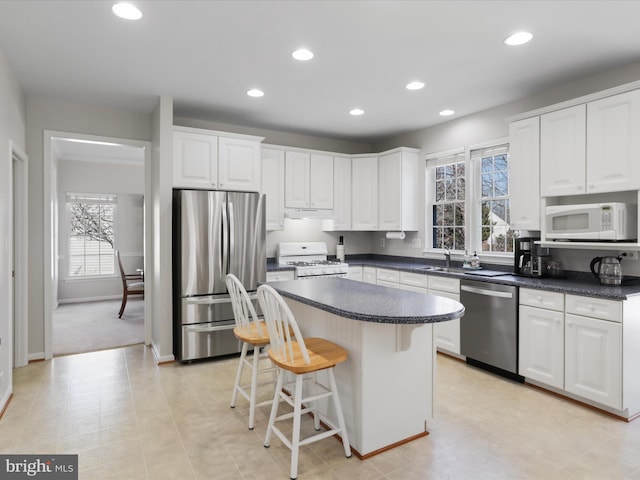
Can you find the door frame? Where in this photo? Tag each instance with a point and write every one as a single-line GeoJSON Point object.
{"type": "Point", "coordinates": [50, 227]}
{"type": "Point", "coordinates": [19, 198]}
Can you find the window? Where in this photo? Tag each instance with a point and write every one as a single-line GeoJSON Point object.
{"type": "Point", "coordinates": [496, 234]}
{"type": "Point", "coordinates": [468, 197]}
{"type": "Point", "coordinates": [448, 207]}
{"type": "Point", "coordinates": [91, 234]}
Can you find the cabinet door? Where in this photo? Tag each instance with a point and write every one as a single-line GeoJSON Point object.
{"type": "Point", "coordinates": [447, 334]}
{"type": "Point", "coordinates": [296, 180]}
{"type": "Point", "coordinates": [593, 359]}
{"type": "Point", "coordinates": [390, 191]}
{"type": "Point", "coordinates": [369, 274]}
{"type": "Point", "coordinates": [355, 273]}
{"type": "Point", "coordinates": [613, 143]}
{"type": "Point", "coordinates": [238, 164]}
{"type": "Point", "coordinates": [342, 193]}
{"type": "Point", "coordinates": [364, 193]}
{"type": "Point", "coordinates": [273, 187]}
{"type": "Point", "coordinates": [563, 152]}
{"type": "Point", "coordinates": [524, 180]}
{"type": "Point", "coordinates": [195, 160]}
{"type": "Point", "coordinates": [320, 181]}
{"type": "Point", "coordinates": [541, 345]}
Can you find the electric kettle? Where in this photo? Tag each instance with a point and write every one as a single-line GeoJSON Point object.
{"type": "Point", "coordinates": [607, 270]}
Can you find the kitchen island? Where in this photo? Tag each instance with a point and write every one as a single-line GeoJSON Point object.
{"type": "Point", "coordinates": [386, 384]}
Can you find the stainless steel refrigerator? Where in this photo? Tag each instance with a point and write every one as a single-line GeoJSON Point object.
{"type": "Point", "coordinates": [214, 233]}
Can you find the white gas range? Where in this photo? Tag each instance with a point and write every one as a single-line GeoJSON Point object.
{"type": "Point", "coordinates": [310, 260]}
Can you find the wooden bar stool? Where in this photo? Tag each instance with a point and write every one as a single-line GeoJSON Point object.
{"type": "Point", "coordinates": [290, 352]}
{"type": "Point", "coordinates": [253, 333]}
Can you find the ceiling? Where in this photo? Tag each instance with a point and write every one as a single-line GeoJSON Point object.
{"type": "Point", "coordinates": [207, 54]}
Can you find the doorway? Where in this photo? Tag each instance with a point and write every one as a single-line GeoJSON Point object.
{"type": "Point", "coordinates": [90, 168]}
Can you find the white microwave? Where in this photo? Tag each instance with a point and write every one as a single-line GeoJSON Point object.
{"type": "Point", "coordinates": [592, 222]}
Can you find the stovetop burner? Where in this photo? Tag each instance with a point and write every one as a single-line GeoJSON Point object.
{"type": "Point", "coordinates": [312, 263]}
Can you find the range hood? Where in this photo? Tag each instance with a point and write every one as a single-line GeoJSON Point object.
{"type": "Point", "coordinates": [315, 213]}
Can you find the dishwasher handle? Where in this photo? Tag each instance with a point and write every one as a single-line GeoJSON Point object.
{"type": "Point", "coordinates": [489, 293]}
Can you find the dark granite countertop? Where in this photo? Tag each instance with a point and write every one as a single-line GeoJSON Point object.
{"type": "Point", "coordinates": [368, 302]}
{"type": "Point", "coordinates": [576, 283]}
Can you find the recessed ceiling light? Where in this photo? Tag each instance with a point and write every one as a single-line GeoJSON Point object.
{"type": "Point", "coordinates": [126, 11]}
{"type": "Point", "coordinates": [415, 85]}
{"type": "Point", "coordinates": [447, 112]}
{"type": "Point", "coordinates": [302, 54]}
{"type": "Point", "coordinates": [356, 111]}
{"type": "Point", "coordinates": [254, 92]}
{"type": "Point", "coordinates": [518, 38]}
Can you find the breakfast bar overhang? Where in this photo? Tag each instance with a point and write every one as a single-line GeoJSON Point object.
{"type": "Point", "coordinates": [386, 386]}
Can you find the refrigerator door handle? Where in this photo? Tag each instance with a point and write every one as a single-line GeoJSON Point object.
{"type": "Point", "coordinates": [217, 328]}
{"type": "Point", "coordinates": [224, 261]}
{"type": "Point", "coordinates": [231, 234]}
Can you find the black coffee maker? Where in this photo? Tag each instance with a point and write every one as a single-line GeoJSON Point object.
{"type": "Point", "coordinates": [530, 259]}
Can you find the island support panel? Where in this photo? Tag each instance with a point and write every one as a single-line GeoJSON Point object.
{"type": "Point", "coordinates": [385, 387]}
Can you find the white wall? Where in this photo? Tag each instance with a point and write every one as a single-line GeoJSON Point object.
{"type": "Point", "coordinates": [492, 124]}
{"type": "Point", "coordinates": [12, 128]}
{"type": "Point", "coordinates": [46, 114]}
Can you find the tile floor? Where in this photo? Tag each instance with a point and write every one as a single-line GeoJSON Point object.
{"type": "Point", "coordinates": [128, 418]}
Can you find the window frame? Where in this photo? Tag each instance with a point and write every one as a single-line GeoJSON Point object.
{"type": "Point", "coordinates": [75, 197]}
{"type": "Point", "coordinates": [473, 200]}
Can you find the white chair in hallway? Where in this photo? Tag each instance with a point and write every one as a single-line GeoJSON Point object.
{"type": "Point", "coordinates": [302, 357]}
{"type": "Point", "coordinates": [253, 333]}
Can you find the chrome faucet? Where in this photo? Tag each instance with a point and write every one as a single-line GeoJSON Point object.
{"type": "Point", "coordinates": [447, 257]}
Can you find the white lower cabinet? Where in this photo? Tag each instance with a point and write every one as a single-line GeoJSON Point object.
{"type": "Point", "coordinates": [447, 334]}
{"type": "Point", "coordinates": [541, 345]}
{"type": "Point", "coordinates": [593, 355]}
{"type": "Point", "coordinates": [541, 336]}
{"type": "Point", "coordinates": [355, 273]}
{"type": "Point", "coordinates": [388, 278]}
{"type": "Point", "coordinates": [369, 274]}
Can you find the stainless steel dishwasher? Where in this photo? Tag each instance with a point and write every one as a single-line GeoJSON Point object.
{"type": "Point", "coordinates": [489, 328]}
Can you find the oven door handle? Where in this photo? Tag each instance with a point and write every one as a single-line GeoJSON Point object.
{"type": "Point", "coordinates": [488, 293]}
{"type": "Point", "coordinates": [218, 328]}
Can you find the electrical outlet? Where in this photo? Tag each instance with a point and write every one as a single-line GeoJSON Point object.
{"type": "Point", "coordinates": [382, 242]}
{"type": "Point", "coordinates": [630, 255]}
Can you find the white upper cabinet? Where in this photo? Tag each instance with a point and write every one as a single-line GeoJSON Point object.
{"type": "Point", "coordinates": [195, 160]}
{"type": "Point", "coordinates": [212, 160]}
{"type": "Point", "coordinates": [524, 159]}
{"type": "Point", "coordinates": [238, 164]}
{"type": "Point", "coordinates": [398, 183]}
{"type": "Point", "coordinates": [364, 193]}
{"type": "Point", "coordinates": [308, 180]}
{"type": "Point", "coordinates": [613, 143]}
{"type": "Point", "coordinates": [563, 152]}
{"type": "Point", "coordinates": [273, 187]}
{"type": "Point", "coordinates": [592, 147]}
{"type": "Point", "coordinates": [321, 181]}
{"type": "Point", "coordinates": [296, 179]}
{"type": "Point", "coordinates": [342, 193]}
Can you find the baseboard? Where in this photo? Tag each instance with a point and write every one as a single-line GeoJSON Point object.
{"type": "Point", "coordinates": [89, 299]}
{"type": "Point", "coordinates": [160, 359]}
{"type": "Point", "coordinates": [35, 356]}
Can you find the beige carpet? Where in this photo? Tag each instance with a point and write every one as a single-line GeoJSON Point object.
{"type": "Point", "coordinates": [91, 326]}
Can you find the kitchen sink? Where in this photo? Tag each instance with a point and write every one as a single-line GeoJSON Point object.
{"type": "Point", "coordinates": [446, 269]}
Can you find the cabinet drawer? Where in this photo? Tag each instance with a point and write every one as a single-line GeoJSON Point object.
{"type": "Point", "coordinates": [542, 299]}
{"type": "Point", "coordinates": [594, 307]}
{"type": "Point", "coordinates": [414, 279]}
{"type": "Point", "coordinates": [388, 275]}
{"type": "Point", "coordinates": [444, 284]}
{"type": "Point", "coordinates": [369, 274]}
{"type": "Point", "coordinates": [280, 275]}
